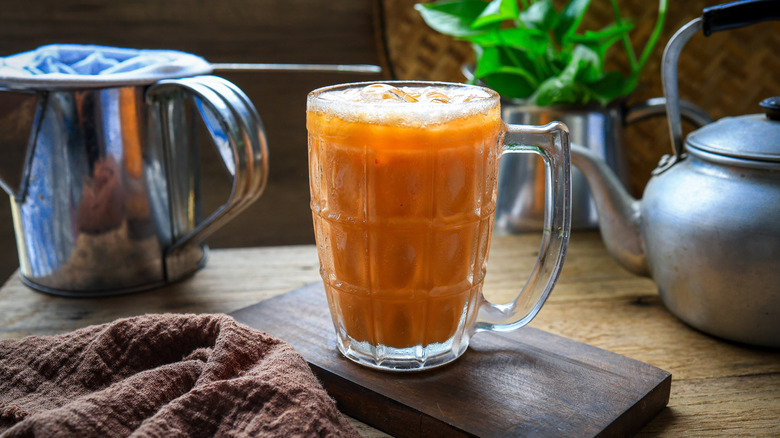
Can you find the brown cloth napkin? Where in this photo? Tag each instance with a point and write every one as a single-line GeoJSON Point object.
{"type": "Point", "coordinates": [162, 376]}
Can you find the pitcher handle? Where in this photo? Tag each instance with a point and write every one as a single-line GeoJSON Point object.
{"type": "Point", "coordinates": [551, 142]}
{"type": "Point", "coordinates": [237, 133]}
{"type": "Point", "coordinates": [656, 106]}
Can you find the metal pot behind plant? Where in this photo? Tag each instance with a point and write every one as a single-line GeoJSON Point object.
{"type": "Point", "coordinates": [520, 204]}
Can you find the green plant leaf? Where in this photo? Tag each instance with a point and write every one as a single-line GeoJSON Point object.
{"type": "Point", "coordinates": [533, 41]}
{"type": "Point", "coordinates": [558, 60]}
{"type": "Point", "coordinates": [569, 87]}
{"type": "Point", "coordinates": [603, 36]}
{"type": "Point", "coordinates": [560, 91]}
{"type": "Point", "coordinates": [584, 66]}
{"type": "Point", "coordinates": [512, 85]}
{"type": "Point", "coordinates": [611, 86]}
{"type": "Point", "coordinates": [452, 17]}
{"type": "Point", "coordinates": [506, 60]}
{"type": "Point", "coordinates": [600, 41]}
{"type": "Point", "coordinates": [496, 12]}
{"type": "Point", "coordinates": [659, 24]}
{"type": "Point", "coordinates": [516, 78]}
{"type": "Point", "coordinates": [540, 15]}
{"type": "Point", "coordinates": [488, 61]}
{"type": "Point", "coordinates": [570, 18]}
{"type": "Point", "coordinates": [538, 53]}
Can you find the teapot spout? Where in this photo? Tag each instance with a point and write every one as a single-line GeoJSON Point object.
{"type": "Point", "coordinates": [619, 213]}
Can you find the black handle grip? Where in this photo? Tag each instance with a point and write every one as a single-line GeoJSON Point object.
{"type": "Point", "coordinates": [739, 14]}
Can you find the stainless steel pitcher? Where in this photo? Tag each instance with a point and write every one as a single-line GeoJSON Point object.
{"type": "Point", "coordinates": [108, 197]}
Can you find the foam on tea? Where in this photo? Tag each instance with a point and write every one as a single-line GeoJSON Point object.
{"type": "Point", "coordinates": [408, 105]}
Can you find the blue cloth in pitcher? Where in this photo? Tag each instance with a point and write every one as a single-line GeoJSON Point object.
{"type": "Point", "coordinates": [89, 66]}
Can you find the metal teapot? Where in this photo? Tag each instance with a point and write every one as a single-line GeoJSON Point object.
{"type": "Point", "coordinates": [707, 229]}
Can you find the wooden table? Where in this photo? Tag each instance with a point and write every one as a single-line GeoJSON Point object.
{"type": "Point", "coordinates": [718, 388]}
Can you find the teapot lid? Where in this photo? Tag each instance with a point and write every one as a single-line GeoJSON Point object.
{"type": "Point", "coordinates": [751, 137]}
{"type": "Point", "coordinates": [69, 66]}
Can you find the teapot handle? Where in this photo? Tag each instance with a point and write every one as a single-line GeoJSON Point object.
{"type": "Point", "coordinates": [656, 106]}
{"type": "Point", "coordinates": [713, 19]}
{"type": "Point", "coordinates": [738, 14]}
{"type": "Point", "coordinates": [238, 135]}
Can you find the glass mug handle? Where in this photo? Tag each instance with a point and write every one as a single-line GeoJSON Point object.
{"type": "Point", "coordinates": [238, 135]}
{"type": "Point", "coordinates": [551, 142]}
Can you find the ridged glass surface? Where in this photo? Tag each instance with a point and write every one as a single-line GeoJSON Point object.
{"type": "Point", "coordinates": [403, 217]}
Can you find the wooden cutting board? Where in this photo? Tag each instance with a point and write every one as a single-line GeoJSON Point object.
{"type": "Point", "coordinates": [525, 383]}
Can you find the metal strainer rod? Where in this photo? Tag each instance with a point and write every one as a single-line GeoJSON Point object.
{"type": "Point", "coordinates": [337, 68]}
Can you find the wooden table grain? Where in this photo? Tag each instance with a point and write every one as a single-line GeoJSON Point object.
{"type": "Point", "coordinates": [718, 388]}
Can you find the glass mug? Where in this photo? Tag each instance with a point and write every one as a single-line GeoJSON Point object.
{"type": "Point", "coordinates": [403, 197]}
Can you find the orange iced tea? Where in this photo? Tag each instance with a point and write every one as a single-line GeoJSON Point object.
{"type": "Point", "coordinates": [403, 183]}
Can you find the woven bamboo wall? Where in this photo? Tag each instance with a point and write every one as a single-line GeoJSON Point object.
{"type": "Point", "coordinates": [726, 74]}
